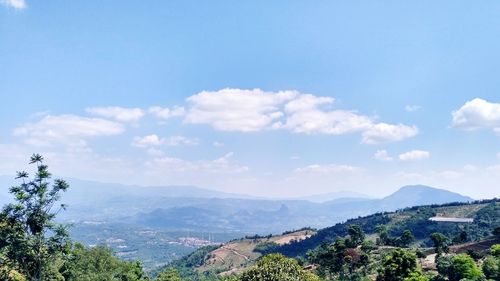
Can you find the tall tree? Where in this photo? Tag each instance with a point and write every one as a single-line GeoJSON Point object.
{"type": "Point", "coordinates": [398, 265]}
{"type": "Point", "coordinates": [275, 267]}
{"type": "Point", "coordinates": [440, 243]}
{"type": "Point", "coordinates": [30, 239]}
{"type": "Point", "coordinates": [463, 267]}
{"type": "Point", "coordinates": [356, 235]}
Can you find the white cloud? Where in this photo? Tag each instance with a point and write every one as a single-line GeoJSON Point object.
{"type": "Point", "coordinates": [256, 110]}
{"type": "Point", "coordinates": [223, 165]}
{"type": "Point", "coordinates": [166, 113]}
{"type": "Point", "coordinates": [327, 169]}
{"type": "Point", "coordinates": [294, 157]}
{"type": "Point", "coordinates": [218, 144]}
{"type": "Point", "coordinates": [498, 155]}
{"type": "Point", "coordinates": [71, 130]}
{"type": "Point", "coordinates": [306, 115]}
{"type": "Point", "coordinates": [383, 133]}
{"type": "Point", "coordinates": [236, 109]}
{"type": "Point", "coordinates": [118, 113]}
{"type": "Point", "coordinates": [414, 155]}
{"type": "Point", "coordinates": [477, 114]}
{"type": "Point", "coordinates": [146, 141]}
{"type": "Point", "coordinates": [382, 155]}
{"type": "Point", "coordinates": [17, 4]}
{"type": "Point", "coordinates": [154, 140]}
{"type": "Point", "coordinates": [412, 108]}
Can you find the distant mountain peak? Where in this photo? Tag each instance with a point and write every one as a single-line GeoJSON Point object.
{"type": "Point", "coordinates": [411, 195]}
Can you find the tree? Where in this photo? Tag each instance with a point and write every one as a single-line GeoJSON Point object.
{"type": "Point", "coordinates": [397, 266]}
{"type": "Point", "coordinates": [491, 264]}
{"type": "Point", "coordinates": [331, 258]}
{"type": "Point", "coordinates": [383, 234]}
{"type": "Point", "coordinates": [440, 243]}
{"type": "Point", "coordinates": [463, 267]}
{"type": "Point", "coordinates": [356, 235]}
{"type": "Point", "coordinates": [98, 263]}
{"type": "Point", "coordinates": [406, 238]}
{"type": "Point", "coordinates": [491, 268]}
{"type": "Point", "coordinates": [30, 239]}
{"type": "Point", "coordinates": [277, 267]}
{"type": "Point", "coordinates": [169, 275]}
{"type": "Point", "coordinates": [495, 250]}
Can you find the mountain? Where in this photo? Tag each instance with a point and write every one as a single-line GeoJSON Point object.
{"type": "Point", "coordinates": [198, 209]}
{"type": "Point", "coordinates": [413, 195]}
{"type": "Point", "coordinates": [270, 216]}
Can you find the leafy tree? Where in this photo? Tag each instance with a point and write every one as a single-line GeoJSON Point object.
{"type": "Point", "coordinates": [463, 267]}
{"type": "Point", "coordinates": [331, 258]}
{"type": "Point", "coordinates": [495, 250]}
{"type": "Point", "coordinates": [98, 263]}
{"type": "Point", "coordinates": [275, 267]}
{"type": "Point", "coordinates": [406, 238]}
{"type": "Point", "coordinates": [491, 264]}
{"type": "Point", "coordinates": [30, 240]}
{"type": "Point", "coordinates": [397, 266]}
{"type": "Point", "coordinates": [169, 275]}
{"type": "Point", "coordinates": [491, 268]}
{"type": "Point", "coordinates": [383, 234]}
{"type": "Point", "coordinates": [356, 235]}
{"type": "Point", "coordinates": [440, 243]}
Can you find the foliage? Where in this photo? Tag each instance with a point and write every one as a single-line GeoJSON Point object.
{"type": "Point", "coordinates": [491, 264]}
{"type": "Point", "coordinates": [266, 247]}
{"type": "Point", "coordinates": [397, 266]}
{"type": "Point", "coordinates": [169, 275]}
{"type": "Point", "coordinates": [495, 250]}
{"type": "Point", "coordinates": [416, 220]}
{"type": "Point", "coordinates": [277, 267]}
{"type": "Point", "coordinates": [356, 235]}
{"type": "Point", "coordinates": [459, 267]}
{"type": "Point", "coordinates": [99, 263]}
{"type": "Point", "coordinates": [30, 241]}
{"type": "Point", "coordinates": [416, 276]}
{"type": "Point", "coordinates": [440, 243]}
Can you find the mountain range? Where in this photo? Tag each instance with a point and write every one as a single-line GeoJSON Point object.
{"type": "Point", "coordinates": [194, 209]}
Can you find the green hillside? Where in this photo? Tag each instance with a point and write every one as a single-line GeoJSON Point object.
{"type": "Point", "coordinates": [384, 232]}
{"type": "Point", "coordinates": [486, 215]}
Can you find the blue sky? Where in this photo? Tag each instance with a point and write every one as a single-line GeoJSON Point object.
{"type": "Point", "coordinates": [272, 98]}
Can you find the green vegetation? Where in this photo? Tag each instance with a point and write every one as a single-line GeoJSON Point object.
{"type": "Point", "coordinates": [390, 228]}
{"type": "Point", "coordinates": [29, 237]}
{"type": "Point", "coordinates": [276, 267]}
{"type": "Point", "coordinates": [98, 263]}
{"type": "Point", "coordinates": [398, 265]}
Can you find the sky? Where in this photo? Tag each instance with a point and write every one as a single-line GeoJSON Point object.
{"type": "Point", "coordinates": [268, 98]}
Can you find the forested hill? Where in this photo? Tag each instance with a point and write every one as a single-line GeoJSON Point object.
{"type": "Point", "coordinates": [486, 215]}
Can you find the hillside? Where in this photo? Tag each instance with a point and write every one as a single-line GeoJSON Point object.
{"type": "Point", "coordinates": [239, 254]}
{"type": "Point", "coordinates": [234, 256]}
